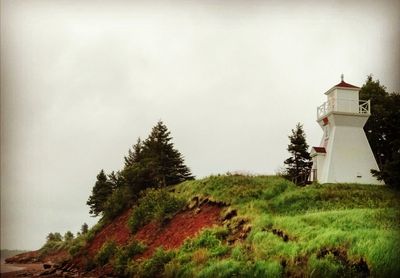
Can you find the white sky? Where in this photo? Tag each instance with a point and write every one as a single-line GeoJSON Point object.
{"type": "Point", "coordinates": [81, 80]}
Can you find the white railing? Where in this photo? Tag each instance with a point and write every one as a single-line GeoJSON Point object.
{"type": "Point", "coordinates": [364, 107]}
{"type": "Point", "coordinates": [344, 105]}
{"type": "Point", "coordinates": [325, 108]}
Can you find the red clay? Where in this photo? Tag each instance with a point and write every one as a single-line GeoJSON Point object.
{"type": "Point", "coordinates": [184, 225]}
{"type": "Point", "coordinates": [57, 257]}
{"type": "Point", "coordinates": [116, 231]}
{"type": "Point", "coordinates": [169, 235]}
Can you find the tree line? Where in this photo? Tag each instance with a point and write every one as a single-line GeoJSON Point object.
{"type": "Point", "coordinates": [152, 163]}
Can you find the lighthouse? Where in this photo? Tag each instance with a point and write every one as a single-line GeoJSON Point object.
{"type": "Point", "coordinates": [344, 154]}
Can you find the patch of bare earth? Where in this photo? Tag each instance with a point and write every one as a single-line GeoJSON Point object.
{"type": "Point", "coordinates": [116, 231]}
{"type": "Point", "coordinates": [172, 234]}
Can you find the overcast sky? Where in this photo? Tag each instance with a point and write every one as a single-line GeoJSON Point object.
{"type": "Point", "coordinates": [81, 80]}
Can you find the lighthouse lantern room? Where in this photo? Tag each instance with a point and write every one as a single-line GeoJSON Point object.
{"type": "Point", "coordinates": [344, 154]}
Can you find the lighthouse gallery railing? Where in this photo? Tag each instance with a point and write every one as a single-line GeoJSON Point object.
{"type": "Point", "coordinates": [364, 107]}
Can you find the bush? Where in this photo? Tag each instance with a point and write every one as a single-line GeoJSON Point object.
{"type": "Point", "coordinates": [76, 245]}
{"type": "Point", "coordinates": [119, 200]}
{"type": "Point", "coordinates": [154, 267]}
{"type": "Point", "coordinates": [94, 230]}
{"type": "Point", "coordinates": [105, 253]}
{"type": "Point", "coordinates": [155, 204]}
{"type": "Point", "coordinates": [69, 236]}
{"type": "Point", "coordinates": [54, 243]}
{"type": "Point", "coordinates": [175, 269]}
{"type": "Point", "coordinates": [51, 247]}
{"type": "Point", "coordinates": [125, 254]}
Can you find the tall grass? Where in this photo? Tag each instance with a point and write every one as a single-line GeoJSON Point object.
{"type": "Point", "coordinates": [330, 230]}
{"type": "Point", "coordinates": [363, 220]}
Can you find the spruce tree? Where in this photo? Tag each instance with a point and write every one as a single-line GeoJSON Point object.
{"type": "Point", "coordinates": [134, 155]}
{"type": "Point", "coordinates": [383, 130]}
{"type": "Point", "coordinates": [84, 228]}
{"type": "Point", "coordinates": [68, 236]}
{"type": "Point", "coordinates": [166, 162]}
{"type": "Point", "coordinates": [102, 189]}
{"type": "Point", "coordinates": [299, 164]}
{"type": "Point", "coordinates": [116, 179]}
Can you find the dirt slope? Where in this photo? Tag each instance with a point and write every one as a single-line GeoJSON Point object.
{"type": "Point", "coordinates": [184, 225]}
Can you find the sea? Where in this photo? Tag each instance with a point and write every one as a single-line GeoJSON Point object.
{"type": "Point", "coordinates": [8, 267]}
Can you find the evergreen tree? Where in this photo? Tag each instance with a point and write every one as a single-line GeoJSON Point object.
{"type": "Point", "coordinates": [166, 162]}
{"type": "Point", "coordinates": [299, 164]}
{"type": "Point", "coordinates": [68, 236]}
{"type": "Point", "coordinates": [84, 228]}
{"type": "Point", "coordinates": [102, 189]}
{"type": "Point", "coordinates": [134, 155]}
{"type": "Point", "coordinates": [116, 179]}
{"type": "Point", "coordinates": [54, 237]}
{"type": "Point", "coordinates": [383, 130]}
{"type": "Point", "coordinates": [154, 162]}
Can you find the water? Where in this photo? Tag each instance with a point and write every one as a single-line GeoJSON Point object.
{"type": "Point", "coordinates": [8, 268]}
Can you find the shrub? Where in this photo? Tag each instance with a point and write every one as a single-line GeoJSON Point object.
{"type": "Point", "coordinates": [155, 204]}
{"type": "Point", "coordinates": [174, 269]}
{"type": "Point", "coordinates": [76, 245]}
{"type": "Point", "coordinates": [119, 200]}
{"type": "Point", "coordinates": [94, 230]}
{"type": "Point", "coordinates": [105, 253]}
{"type": "Point", "coordinates": [51, 246]}
{"type": "Point", "coordinates": [155, 265]}
{"type": "Point", "coordinates": [54, 237]}
{"type": "Point", "coordinates": [54, 243]}
{"type": "Point", "coordinates": [125, 254]}
{"type": "Point", "coordinates": [69, 236]}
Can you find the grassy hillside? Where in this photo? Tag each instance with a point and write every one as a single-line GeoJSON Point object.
{"type": "Point", "coordinates": [244, 226]}
{"type": "Point", "coordinates": [318, 231]}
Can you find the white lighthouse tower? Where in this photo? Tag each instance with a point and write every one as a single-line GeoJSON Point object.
{"type": "Point", "coordinates": [344, 154]}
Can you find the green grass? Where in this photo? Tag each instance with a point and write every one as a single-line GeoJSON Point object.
{"type": "Point", "coordinates": [154, 204]}
{"type": "Point", "coordinates": [363, 220]}
{"type": "Point", "coordinates": [333, 229]}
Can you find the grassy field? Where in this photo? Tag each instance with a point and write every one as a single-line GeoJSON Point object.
{"type": "Point", "coordinates": [315, 231]}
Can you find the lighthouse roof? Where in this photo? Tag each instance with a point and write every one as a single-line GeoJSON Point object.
{"type": "Point", "coordinates": [343, 85]}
